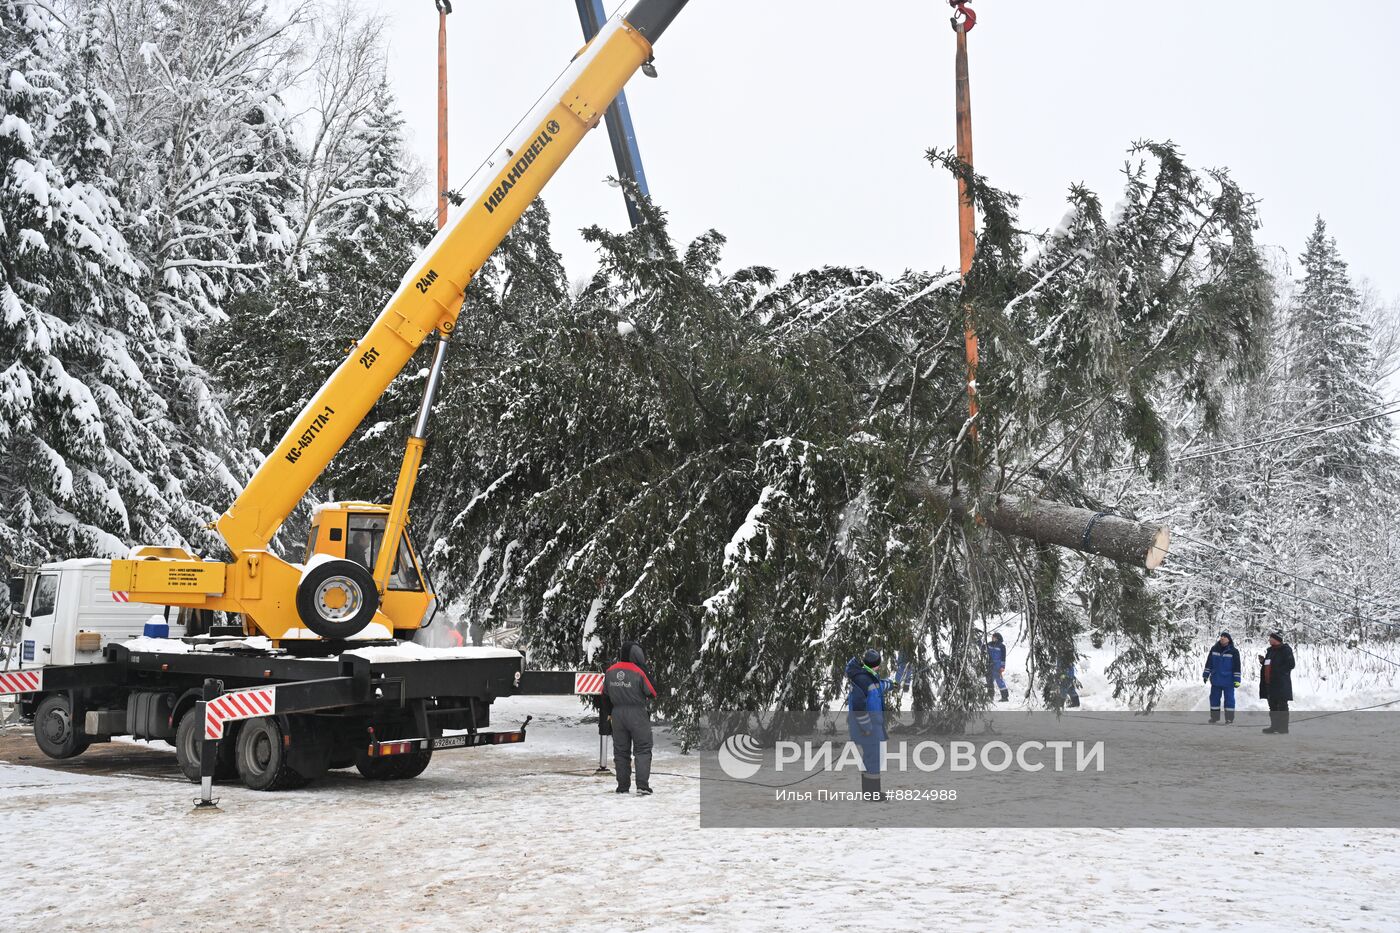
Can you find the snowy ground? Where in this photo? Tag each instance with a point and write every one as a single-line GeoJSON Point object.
{"type": "Point", "coordinates": [526, 837]}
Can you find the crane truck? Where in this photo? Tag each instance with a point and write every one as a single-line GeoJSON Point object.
{"type": "Point", "coordinates": [320, 670]}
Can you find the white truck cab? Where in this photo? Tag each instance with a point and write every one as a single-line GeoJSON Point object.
{"type": "Point", "coordinates": [68, 615]}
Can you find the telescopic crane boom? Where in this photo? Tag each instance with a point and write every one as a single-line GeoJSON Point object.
{"type": "Point", "coordinates": [360, 569]}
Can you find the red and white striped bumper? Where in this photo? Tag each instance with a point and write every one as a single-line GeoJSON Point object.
{"type": "Point", "coordinates": [21, 682]}
{"type": "Point", "coordinates": [240, 704]}
{"type": "Point", "coordinates": [586, 683]}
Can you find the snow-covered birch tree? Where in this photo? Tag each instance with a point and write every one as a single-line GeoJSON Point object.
{"type": "Point", "coordinates": [207, 157]}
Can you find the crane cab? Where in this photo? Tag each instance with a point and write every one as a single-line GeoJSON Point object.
{"type": "Point", "coordinates": [355, 531]}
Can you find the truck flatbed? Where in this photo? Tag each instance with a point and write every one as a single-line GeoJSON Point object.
{"type": "Point", "coordinates": [279, 719]}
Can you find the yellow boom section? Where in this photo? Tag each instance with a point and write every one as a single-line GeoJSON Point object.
{"type": "Point", "coordinates": [430, 296]}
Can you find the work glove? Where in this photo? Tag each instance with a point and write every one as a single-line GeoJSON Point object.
{"type": "Point", "coordinates": [1205, 678]}
{"type": "Point", "coordinates": [1237, 683]}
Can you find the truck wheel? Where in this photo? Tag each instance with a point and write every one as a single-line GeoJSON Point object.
{"type": "Point", "coordinates": [337, 598]}
{"type": "Point", "coordinates": [414, 764]}
{"type": "Point", "coordinates": [376, 769]}
{"type": "Point", "coordinates": [189, 744]}
{"type": "Point", "coordinates": [262, 757]}
{"type": "Point", "coordinates": [55, 731]}
{"type": "Point", "coordinates": [395, 767]}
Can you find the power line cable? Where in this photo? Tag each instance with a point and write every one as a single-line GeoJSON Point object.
{"type": "Point", "coordinates": [1270, 567]}
{"type": "Point", "coordinates": [1273, 439]}
{"type": "Point", "coordinates": [1243, 581]}
{"type": "Point", "coordinates": [1297, 415]}
{"type": "Point", "coordinates": [1322, 429]}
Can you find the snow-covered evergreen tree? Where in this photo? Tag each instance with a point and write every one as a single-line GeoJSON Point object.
{"type": "Point", "coordinates": [91, 459]}
{"type": "Point", "coordinates": [1334, 368]}
{"type": "Point", "coordinates": [281, 343]}
{"type": "Point", "coordinates": [1285, 514]}
{"type": "Point", "coordinates": [378, 186]}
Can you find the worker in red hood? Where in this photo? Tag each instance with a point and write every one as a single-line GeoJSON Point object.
{"type": "Point", "coordinates": [627, 689]}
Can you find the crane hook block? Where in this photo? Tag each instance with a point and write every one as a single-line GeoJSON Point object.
{"type": "Point", "coordinates": [969, 16]}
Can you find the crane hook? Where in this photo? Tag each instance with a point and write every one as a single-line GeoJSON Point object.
{"type": "Point", "coordinates": [969, 16]}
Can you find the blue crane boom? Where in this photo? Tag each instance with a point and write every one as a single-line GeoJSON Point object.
{"type": "Point", "coordinates": [621, 132]}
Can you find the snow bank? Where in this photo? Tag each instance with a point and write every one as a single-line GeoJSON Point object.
{"type": "Point", "coordinates": [408, 651]}
{"type": "Point", "coordinates": [157, 645]}
{"type": "Point", "coordinates": [371, 632]}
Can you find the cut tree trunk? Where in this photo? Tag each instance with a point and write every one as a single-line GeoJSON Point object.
{"type": "Point", "coordinates": [1084, 530]}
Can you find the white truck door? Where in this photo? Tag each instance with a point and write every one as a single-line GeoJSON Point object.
{"type": "Point", "coordinates": [36, 638]}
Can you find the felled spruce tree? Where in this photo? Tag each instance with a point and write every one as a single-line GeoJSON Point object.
{"type": "Point", "coordinates": [721, 464]}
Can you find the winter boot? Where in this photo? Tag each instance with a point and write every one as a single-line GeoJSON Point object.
{"type": "Point", "coordinates": [1005, 695]}
{"type": "Point", "coordinates": [1073, 702]}
{"type": "Point", "coordinates": [1214, 716]}
{"type": "Point", "coordinates": [991, 692]}
{"type": "Point", "coordinates": [643, 790]}
{"type": "Point", "coordinates": [1282, 727]}
{"type": "Point", "coordinates": [870, 784]}
{"type": "Point", "coordinates": [1273, 723]}
{"type": "Point", "coordinates": [623, 789]}
{"type": "Point", "coordinates": [1229, 717]}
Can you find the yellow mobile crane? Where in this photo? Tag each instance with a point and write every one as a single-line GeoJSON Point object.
{"type": "Point", "coordinates": [360, 569]}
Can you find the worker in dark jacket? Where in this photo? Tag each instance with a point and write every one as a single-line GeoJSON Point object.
{"type": "Point", "coordinates": [627, 689]}
{"type": "Point", "coordinates": [1276, 682]}
{"type": "Point", "coordinates": [996, 668]}
{"type": "Point", "coordinates": [866, 705]}
{"type": "Point", "coordinates": [1223, 673]}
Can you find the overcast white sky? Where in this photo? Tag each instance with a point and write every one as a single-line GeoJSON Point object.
{"type": "Point", "coordinates": [797, 127]}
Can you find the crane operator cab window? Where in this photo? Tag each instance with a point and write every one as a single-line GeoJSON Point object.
{"type": "Point", "coordinates": [365, 535]}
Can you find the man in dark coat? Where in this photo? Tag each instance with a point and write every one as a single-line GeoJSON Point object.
{"type": "Point", "coordinates": [627, 688]}
{"type": "Point", "coordinates": [1223, 672]}
{"type": "Point", "coordinates": [1276, 682]}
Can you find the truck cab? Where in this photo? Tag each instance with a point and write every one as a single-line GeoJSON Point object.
{"type": "Point", "coordinates": [67, 614]}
